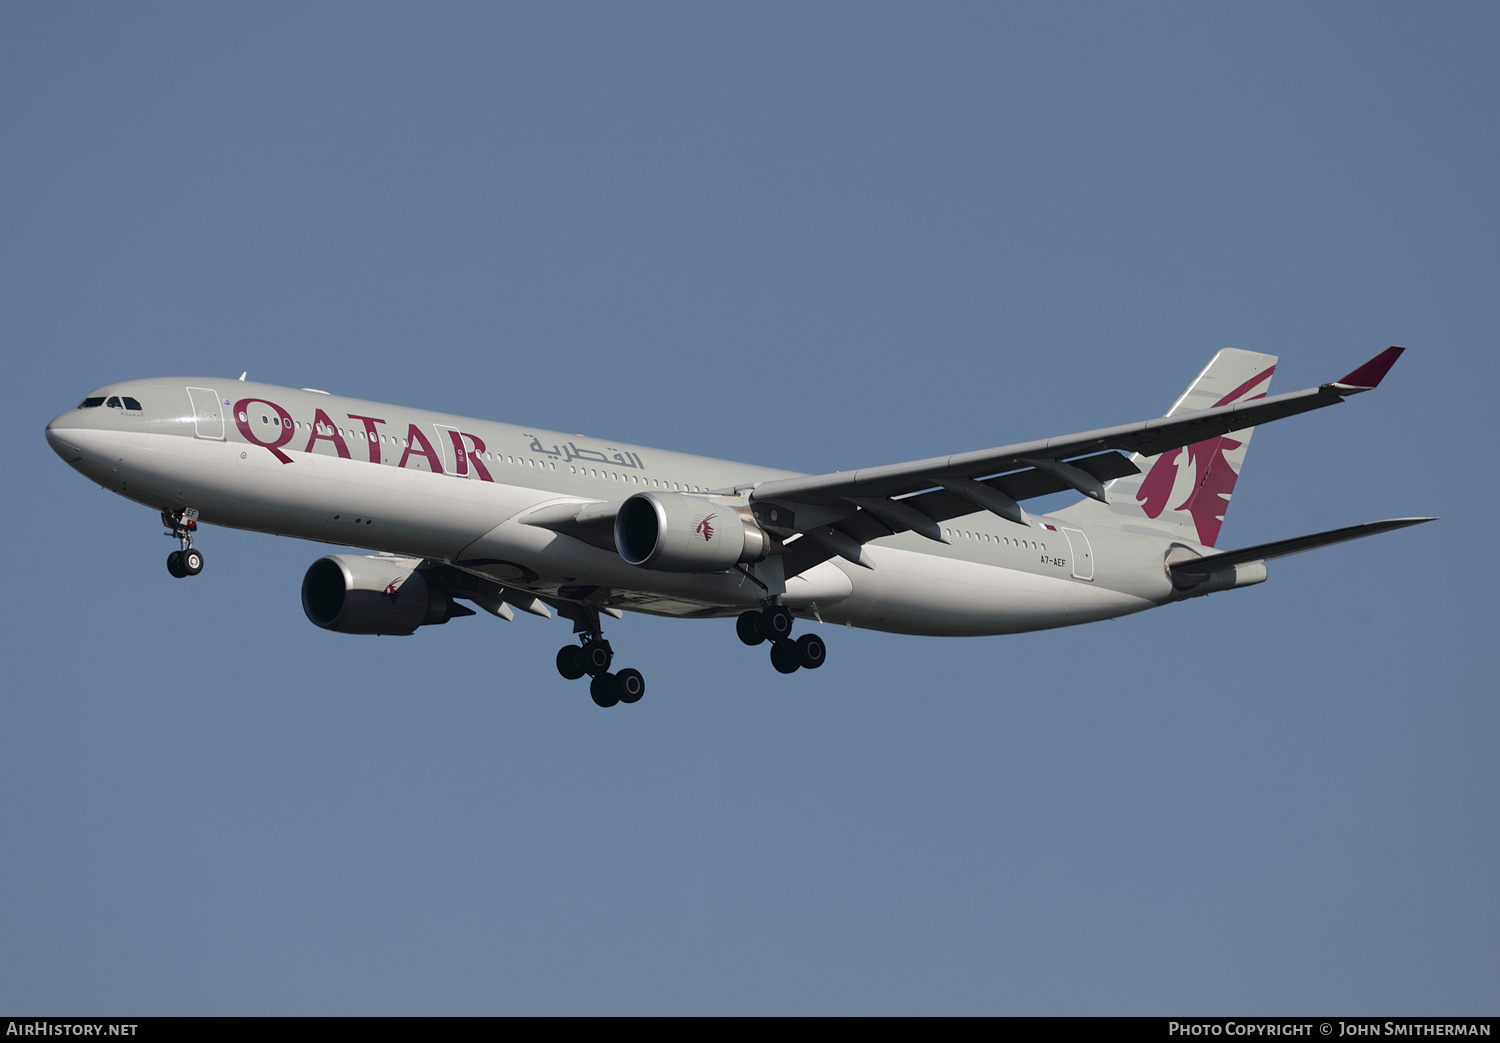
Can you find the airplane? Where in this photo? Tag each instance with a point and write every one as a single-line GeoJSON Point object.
{"type": "Point", "coordinates": [511, 518]}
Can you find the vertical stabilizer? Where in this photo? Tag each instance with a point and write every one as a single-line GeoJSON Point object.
{"type": "Point", "coordinates": [1185, 492]}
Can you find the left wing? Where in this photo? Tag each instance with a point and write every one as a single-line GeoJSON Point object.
{"type": "Point", "coordinates": [843, 510]}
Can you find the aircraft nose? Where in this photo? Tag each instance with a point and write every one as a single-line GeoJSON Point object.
{"type": "Point", "coordinates": [57, 433]}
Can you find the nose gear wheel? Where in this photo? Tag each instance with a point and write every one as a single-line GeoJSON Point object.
{"type": "Point", "coordinates": [182, 523]}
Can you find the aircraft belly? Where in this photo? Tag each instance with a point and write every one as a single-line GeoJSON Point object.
{"type": "Point", "coordinates": [913, 593]}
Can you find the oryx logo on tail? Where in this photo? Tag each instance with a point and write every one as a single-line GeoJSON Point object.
{"type": "Point", "coordinates": [1213, 478]}
{"type": "Point", "coordinates": [1198, 479]}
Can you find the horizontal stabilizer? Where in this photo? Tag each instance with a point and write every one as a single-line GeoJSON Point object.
{"type": "Point", "coordinates": [1296, 545]}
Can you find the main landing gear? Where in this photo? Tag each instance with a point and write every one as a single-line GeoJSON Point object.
{"type": "Point", "coordinates": [773, 623]}
{"type": "Point", "coordinates": [182, 524]}
{"type": "Point", "coordinates": [593, 657]}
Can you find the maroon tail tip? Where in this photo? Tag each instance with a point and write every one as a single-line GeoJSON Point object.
{"type": "Point", "coordinates": [1373, 372]}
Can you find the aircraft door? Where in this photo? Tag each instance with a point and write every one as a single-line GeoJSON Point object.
{"type": "Point", "coordinates": [208, 417]}
{"type": "Point", "coordinates": [445, 447]}
{"type": "Point", "coordinates": [1083, 554]}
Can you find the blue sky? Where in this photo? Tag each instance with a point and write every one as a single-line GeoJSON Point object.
{"type": "Point", "coordinates": [809, 236]}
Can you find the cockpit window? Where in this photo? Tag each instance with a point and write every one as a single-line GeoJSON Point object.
{"type": "Point", "coordinates": [131, 403]}
{"type": "Point", "coordinates": [114, 402]}
{"type": "Point", "coordinates": [91, 403]}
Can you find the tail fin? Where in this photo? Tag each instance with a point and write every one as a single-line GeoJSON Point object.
{"type": "Point", "coordinates": [1185, 492]}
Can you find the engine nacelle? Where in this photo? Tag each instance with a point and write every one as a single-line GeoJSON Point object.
{"type": "Point", "coordinates": [676, 533]}
{"type": "Point", "coordinates": [372, 594]}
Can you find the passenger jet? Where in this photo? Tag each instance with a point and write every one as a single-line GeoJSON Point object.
{"type": "Point", "coordinates": [512, 518]}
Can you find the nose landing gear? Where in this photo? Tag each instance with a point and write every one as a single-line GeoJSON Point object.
{"type": "Point", "coordinates": [773, 623]}
{"type": "Point", "coordinates": [594, 657]}
{"type": "Point", "coordinates": [182, 523]}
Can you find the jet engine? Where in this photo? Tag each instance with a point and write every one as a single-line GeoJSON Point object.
{"type": "Point", "coordinates": [373, 594]}
{"type": "Point", "coordinates": [676, 533]}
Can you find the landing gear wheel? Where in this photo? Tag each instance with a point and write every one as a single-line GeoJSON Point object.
{"type": "Point", "coordinates": [192, 561]}
{"type": "Point", "coordinates": [786, 657]}
{"type": "Point", "coordinates": [605, 689]}
{"type": "Point", "coordinates": [570, 662]}
{"type": "Point", "coordinates": [776, 623]}
{"type": "Point", "coordinates": [748, 627]}
{"type": "Point", "coordinates": [631, 685]}
{"type": "Point", "coordinates": [596, 658]}
{"type": "Point", "coordinates": [174, 564]}
{"type": "Point", "coordinates": [812, 650]}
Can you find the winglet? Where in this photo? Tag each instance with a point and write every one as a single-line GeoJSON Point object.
{"type": "Point", "coordinates": [1371, 373]}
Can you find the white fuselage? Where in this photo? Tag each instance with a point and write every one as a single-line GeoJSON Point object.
{"type": "Point", "coordinates": [458, 490]}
